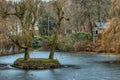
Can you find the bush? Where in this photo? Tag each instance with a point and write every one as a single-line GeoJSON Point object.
{"type": "Point", "coordinates": [49, 39]}
{"type": "Point", "coordinates": [83, 36]}
{"type": "Point", "coordinates": [65, 43]}
{"type": "Point", "coordinates": [36, 42]}
{"type": "Point", "coordinates": [80, 45]}
{"type": "Point", "coordinates": [84, 45]}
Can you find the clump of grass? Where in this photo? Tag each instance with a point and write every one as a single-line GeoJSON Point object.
{"type": "Point", "coordinates": [42, 60]}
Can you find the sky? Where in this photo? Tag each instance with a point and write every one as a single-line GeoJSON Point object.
{"type": "Point", "coordinates": [45, 0]}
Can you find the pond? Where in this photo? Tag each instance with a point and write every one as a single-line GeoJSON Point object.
{"type": "Point", "coordinates": [74, 67]}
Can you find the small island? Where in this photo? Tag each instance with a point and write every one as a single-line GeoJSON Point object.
{"type": "Point", "coordinates": [36, 63]}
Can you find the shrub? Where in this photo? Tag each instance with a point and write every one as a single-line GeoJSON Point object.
{"type": "Point", "coordinates": [47, 41]}
{"type": "Point", "coordinates": [83, 36]}
{"type": "Point", "coordinates": [36, 42]}
{"type": "Point", "coordinates": [80, 45]}
{"type": "Point", "coordinates": [65, 43]}
{"type": "Point", "coordinates": [83, 46]}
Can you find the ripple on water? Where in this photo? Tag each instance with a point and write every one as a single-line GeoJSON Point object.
{"type": "Point", "coordinates": [5, 66]}
{"type": "Point", "coordinates": [71, 66]}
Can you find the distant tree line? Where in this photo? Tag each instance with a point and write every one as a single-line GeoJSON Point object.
{"type": "Point", "coordinates": [19, 19]}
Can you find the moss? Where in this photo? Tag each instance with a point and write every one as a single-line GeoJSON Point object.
{"type": "Point", "coordinates": [36, 63]}
{"type": "Point", "coordinates": [42, 60]}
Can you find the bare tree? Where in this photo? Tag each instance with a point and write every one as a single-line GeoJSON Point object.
{"type": "Point", "coordinates": [26, 14]}
{"type": "Point", "coordinates": [59, 16]}
{"type": "Point", "coordinates": [84, 13]}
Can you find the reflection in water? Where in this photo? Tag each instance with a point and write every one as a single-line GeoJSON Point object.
{"type": "Point", "coordinates": [74, 67]}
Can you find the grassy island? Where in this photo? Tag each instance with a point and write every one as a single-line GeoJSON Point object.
{"type": "Point", "coordinates": [36, 63]}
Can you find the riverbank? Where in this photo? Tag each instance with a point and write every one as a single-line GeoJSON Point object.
{"type": "Point", "coordinates": [11, 53]}
{"type": "Point", "coordinates": [75, 52]}
{"type": "Point", "coordinates": [93, 52]}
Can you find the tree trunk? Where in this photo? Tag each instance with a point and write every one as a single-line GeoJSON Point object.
{"type": "Point", "coordinates": [91, 29]}
{"type": "Point", "coordinates": [26, 56]}
{"type": "Point", "coordinates": [90, 25]}
{"type": "Point", "coordinates": [52, 49]}
{"type": "Point", "coordinates": [53, 46]}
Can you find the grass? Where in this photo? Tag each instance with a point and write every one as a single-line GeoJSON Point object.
{"type": "Point", "coordinates": [41, 60]}
{"type": "Point", "coordinates": [36, 63]}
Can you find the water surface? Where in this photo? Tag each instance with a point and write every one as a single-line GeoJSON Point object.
{"type": "Point", "coordinates": [75, 67]}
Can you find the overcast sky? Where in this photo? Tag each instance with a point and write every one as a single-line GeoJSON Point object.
{"type": "Point", "coordinates": [45, 0]}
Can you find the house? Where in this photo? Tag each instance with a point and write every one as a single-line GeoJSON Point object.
{"type": "Point", "coordinates": [99, 26]}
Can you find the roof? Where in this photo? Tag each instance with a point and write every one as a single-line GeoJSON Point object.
{"type": "Point", "coordinates": [100, 24]}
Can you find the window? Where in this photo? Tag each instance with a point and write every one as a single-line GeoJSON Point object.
{"type": "Point", "coordinates": [96, 32]}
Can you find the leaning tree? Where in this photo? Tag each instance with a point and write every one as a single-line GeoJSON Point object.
{"type": "Point", "coordinates": [24, 14]}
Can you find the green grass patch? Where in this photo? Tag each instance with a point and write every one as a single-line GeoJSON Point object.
{"type": "Point", "coordinates": [41, 60]}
